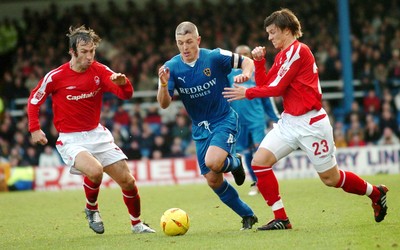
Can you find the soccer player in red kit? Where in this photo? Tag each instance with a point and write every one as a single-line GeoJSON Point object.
{"type": "Point", "coordinates": [304, 123]}
{"type": "Point", "coordinates": [87, 147]}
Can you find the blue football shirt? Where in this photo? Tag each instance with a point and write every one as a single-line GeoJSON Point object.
{"type": "Point", "coordinates": [200, 87]}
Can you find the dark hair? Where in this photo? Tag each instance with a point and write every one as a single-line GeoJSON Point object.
{"type": "Point", "coordinates": [82, 34]}
{"type": "Point", "coordinates": [283, 19]}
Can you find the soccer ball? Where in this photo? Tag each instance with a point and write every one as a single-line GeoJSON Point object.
{"type": "Point", "coordinates": [174, 222]}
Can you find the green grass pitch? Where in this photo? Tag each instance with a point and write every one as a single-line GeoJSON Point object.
{"type": "Point", "coordinates": [322, 218]}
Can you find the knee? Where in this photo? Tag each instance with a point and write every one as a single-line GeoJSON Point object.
{"type": "Point", "coordinates": [95, 174]}
{"type": "Point", "coordinates": [330, 177]}
{"type": "Point", "coordinates": [214, 165]}
{"type": "Point", "coordinates": [329, 181]}
{"type": "Point", "coordinates": [127, 183]}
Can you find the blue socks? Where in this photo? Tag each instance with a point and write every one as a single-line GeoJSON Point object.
{"type": "Point", "coordinates": [248, 157]}
{"type": "Point", "coordinates": [230, 197]}
{"type": "Point", "coordinates": [231, 163]}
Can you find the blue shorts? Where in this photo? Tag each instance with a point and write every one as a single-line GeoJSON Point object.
{"type": "Point", "coordinates": [250, 134]}
{"type": "Point", "coordinates": [222, 134]}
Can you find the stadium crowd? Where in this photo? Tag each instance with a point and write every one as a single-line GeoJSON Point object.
{"type": "Point", "coordinates": [137, 41]}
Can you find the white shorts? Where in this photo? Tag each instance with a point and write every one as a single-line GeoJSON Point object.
{"type": "Point", "coordinates": [311, 132]}
{"type": "Point", "coordinates": [99, 142]}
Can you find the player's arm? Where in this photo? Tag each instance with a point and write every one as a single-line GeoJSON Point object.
{"type": "Point", "coordinates": [163, 96]}
{"type": "Point", "coordinates": [247, 66]}
{"type": "Point", "coordinates": [35, 100]}
{"type": "Point", "coordinates": [116, 83]}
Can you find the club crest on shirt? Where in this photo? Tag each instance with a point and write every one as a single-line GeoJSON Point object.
{"type": "Point", "coordinates": [97, 80]}
{"type": "Point", "coordinates": [207, 71]}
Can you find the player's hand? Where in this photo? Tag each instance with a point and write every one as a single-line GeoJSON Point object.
{"type": "Point", "coordinates": [241, 78]}
{"type": "Point", "coordinates": [258, 53]}
{"type": "Point", "coordinates": [237, 92]}
{"type": "Point", "coordinates": [163, 74]}
{"type": "Point", "coordinates": [118, 78]}
{"type": "Point", "coordinates": [39, 137]}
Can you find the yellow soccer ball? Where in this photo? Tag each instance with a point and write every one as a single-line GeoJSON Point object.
{"type": "Point", "coordinates": [175, 222]}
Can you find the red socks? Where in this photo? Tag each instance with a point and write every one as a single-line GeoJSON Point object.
{"type": "Point", "coordinates": [91, 192]}
{"type": "Point", "coordinates": [352, 183]}
{"type": "Point", "coordinates": [269, 188]}
{"type": "Point", "coordinates": [132, 202]}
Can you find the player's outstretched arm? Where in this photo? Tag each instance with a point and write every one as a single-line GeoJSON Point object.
{"type": "Point", "coordinates": [237, 92]}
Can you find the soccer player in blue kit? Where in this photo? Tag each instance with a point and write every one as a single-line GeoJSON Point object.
{"type": "Point", "coordinates": [199, 76]}
{"type": "Point", "coordinates": [251, 118]}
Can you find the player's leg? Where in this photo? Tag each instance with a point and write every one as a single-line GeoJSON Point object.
{"type": "Point", "coordinates": [219, 161]}
{"type": "Point", "coordinates": [230, 197]}
{"type": "Point", "coordinates": [120, 173]}
{"type": "Point", "coordinates": [72, 148]}
{"type": "Point", "coordinates": [226, 192]}
{"type": "Point", "coordinates": [92, 170]}
{"type": "Point", "coordinates": [320, 150]}
{"type": "Point", "coordinates": [220, 152]}
{"type": "Point", "coordinates": [271, 149]}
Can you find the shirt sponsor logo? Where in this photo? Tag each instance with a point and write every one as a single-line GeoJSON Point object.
{"type": "Point", "coordinates": [200, 90]}
{"type": "Point", "coordinates": [83, 95]}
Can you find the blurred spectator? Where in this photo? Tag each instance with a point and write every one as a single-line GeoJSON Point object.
{"type": "Point", "coordinates": [176, 148]}
{"type": "Point", "coordinates": [372, 132]}
{"type": "Point", "coordinates": [355, 110]}
{"type": "Point", "coordinates": [30, 157]}
{"type": "Point", "coordinates": [371, 102]}
{"type": "Point", "coordinates": [121, 116]}
{"type": "Point", "coordinates": [49, 158]}
{"type": "Point", "coordinates": [153, 118]}
{"type": "Point", "coordinates": [388, 119]}
{"type": "Point", "coordinates": [354, 128]}
{"type": "Point", "coordinates": [356, 140]}
{"type": "Point", "coordinates": [340, 139]}
{"type": "Point", "coordinates": [181, 129]}
{"type": "Point", "coordinates": [388, 137]}
{"type": "Point", "coordinates": [133, 152]}
{"type": "Point", "coordinates": [146, 141]}
{"type": "Point", "coordinates": [160, 145]}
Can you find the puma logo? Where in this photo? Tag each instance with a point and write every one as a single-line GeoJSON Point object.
{"type": "Point", "coordinates": [182, 79]}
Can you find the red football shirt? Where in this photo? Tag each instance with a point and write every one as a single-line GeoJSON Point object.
{"type": "Point", "coordinates": [293, 76]}
{"type": "Point", "coordinates": [77, 97]}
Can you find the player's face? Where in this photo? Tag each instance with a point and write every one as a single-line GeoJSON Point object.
{"type": "Point", "coordinates": [276, 36]}
{"type": "Point", "coordinates": [188, 46]}
{"type": "Point", "coordinates": [85, 55]}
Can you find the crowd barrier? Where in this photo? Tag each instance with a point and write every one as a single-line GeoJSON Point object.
{"type": "Point", "coordinates": [369, 160]}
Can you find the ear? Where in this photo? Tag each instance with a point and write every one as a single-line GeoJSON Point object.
{"type": "Point", "coordinates": [198, 40]}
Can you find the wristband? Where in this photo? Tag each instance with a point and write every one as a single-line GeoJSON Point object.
{"type": "Point", "coordinates": [163, 84]}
